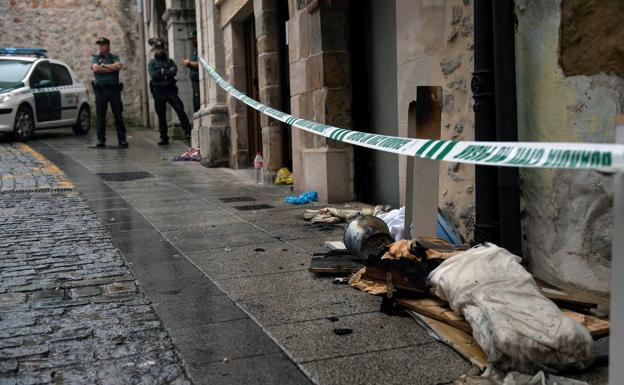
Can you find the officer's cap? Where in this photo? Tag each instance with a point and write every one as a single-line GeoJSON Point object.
{"type": "Point", "coordinates": [193, 35]}
{"type": "Point", "coordinates": [156, 43]}
{"type": "Point", "coordinates": [102, 41]}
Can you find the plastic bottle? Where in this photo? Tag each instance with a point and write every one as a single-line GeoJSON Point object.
{"type": "Point", "coordinates": [259, 166]}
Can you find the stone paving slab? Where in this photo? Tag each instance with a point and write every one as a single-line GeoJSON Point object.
{"type": "Point", "coordinates": [289, 307]}
{"type": "Point", "coordinates": [251, 260]}
{"type": "Point", "coordinates": [426, 364]}
{"type": "Point", "coordinates": [315, 340]}
{"type": "Point", "coordinates": [301, 282]}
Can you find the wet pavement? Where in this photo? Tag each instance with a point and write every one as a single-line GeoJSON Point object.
{"type": "Point", "coordinates": [70, 310]}
{"type": "Point", "coordinates": [231, 283]}
{"type": "Point", "coordinates": [228, 282]}
{"type": "Point", "coordinates": [23, 170]}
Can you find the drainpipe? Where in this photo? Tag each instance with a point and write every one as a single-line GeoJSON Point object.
{"type": "Point", "coordinates": [143, 66]}
{"type": "Point", "coordinates": [506, 122]}
{"type": "Point", "coordinates": [482, 85]}
{"type": "Point", "coordinates": [497, 189]}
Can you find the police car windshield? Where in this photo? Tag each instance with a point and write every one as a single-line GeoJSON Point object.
{"type": "Point", "coordinates": [13, 72]}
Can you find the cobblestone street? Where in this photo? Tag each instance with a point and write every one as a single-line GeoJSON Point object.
{"type": "Point", "coordinates": [70, 310]}
{"type": "Point", "coordinates": [22, 169]}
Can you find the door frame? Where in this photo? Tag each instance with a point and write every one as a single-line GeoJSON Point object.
{"type": "Point", "coordinates": [254, 128]}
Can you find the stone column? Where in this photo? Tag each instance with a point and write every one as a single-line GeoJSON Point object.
{"type": "Point", "coordinates": [269, 82]}
{"type": "Point", "coordinates": [320, 88]}
{"type": "Point", "coordinates": [210, 123]}
{"type": "Point", "coordinates": [180, 19]}
{"type": "Point", "coordinates": [234, 47]}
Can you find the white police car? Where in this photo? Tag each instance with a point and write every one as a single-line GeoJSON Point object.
{"type": "Point", "coordinates": [38, 93]}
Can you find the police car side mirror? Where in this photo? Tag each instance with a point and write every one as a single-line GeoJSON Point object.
{"type": "Point", "coordinates": [44, 84]}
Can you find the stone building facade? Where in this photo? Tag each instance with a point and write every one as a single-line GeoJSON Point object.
{"type": "Point", "coordinates": [570, 79]}
{"type": "Point", "coordinates": [69, 29]}
{"type": "Point", "coordinates": [323, 73]}
{"type": "Point", "coordinates": [436, 40]}
{"type": "Point", "coordinates": [359, 64]}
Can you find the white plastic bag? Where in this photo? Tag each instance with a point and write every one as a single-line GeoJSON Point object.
{"type": "Point", "coordinates": [515, 325]}
{"type": "Point", "coordinates": [395, 220]}
{"type": "Point", "coordinates": [493, 377]}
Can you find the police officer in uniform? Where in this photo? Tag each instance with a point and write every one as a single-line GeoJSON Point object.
{"type": "Point", "coordinates": [193, 65]}
{"type": "Point", "coordinates": [162, 71]}
{"type": "Point", "coordinates": [107, 88]}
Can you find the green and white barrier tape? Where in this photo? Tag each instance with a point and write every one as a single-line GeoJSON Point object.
{"type": "Point", "coordinates": [604, 157]}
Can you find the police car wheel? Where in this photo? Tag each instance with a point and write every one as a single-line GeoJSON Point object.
{"type": "Point", "coordinates": [24, 125]}
{"type": "Point", "coordinates": [83, 124]}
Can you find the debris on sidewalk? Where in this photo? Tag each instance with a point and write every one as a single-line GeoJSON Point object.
{"type": "Point", "coordinates": [445, 229]}
{"type": "Point", "coordinates": [459, 340]}
{"type": "Point", "coordinates": [403, 265]}
{"type": "Point", "coordinates": [480, 301]}
{"type": "Point", "coordinates": [367, 285]}
{"type": "Point", "coordinates": [343, 331]}
{"type": "Point", "coordinates": [283, 176]}
{"type": "Point", "coordinates": [423, 248]}
{"type": "Point", "coordinates": [335, 245]}
{"type": "Point", "coordinates": [395, 220]}
{"type": "Point", "coordinates": [335, 262]}
{"type": "Point", "coordinates": [452, 329]}
{"type": "Point", "coordinates": [366, 235]}
{"type": "Point", "coordinates": [192, 154]}
{"type": "Point", "coordinates": [303, 198]}
{"type": "Point", "coordinates": [494, 377]}
{"type": "Point", "coordinates": [516, 326]}
{"type": "Point", "coordinates": [324, 226]}
{"type": "Point", "coordinates": [334, 215]}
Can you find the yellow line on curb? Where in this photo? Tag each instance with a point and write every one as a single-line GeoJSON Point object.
{"type": "Point", "coordinates": [47, 167]}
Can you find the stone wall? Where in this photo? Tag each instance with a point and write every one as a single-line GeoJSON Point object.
{"type": "Point", "coordinates": [567, 221]}
{"type": "Point", "coordinates": [269, 79]}
{"type": "Point", "coordinates": [210, 124]}
{"type": "Point", "coordinates": [69, 29]}
{"type": "Point", "coordinates": [435, 48]}
{"type": "Point", "coordinates": [320, 89]}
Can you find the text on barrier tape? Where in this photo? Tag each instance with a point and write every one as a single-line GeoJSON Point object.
{"type": "Point", "coordinates": [605, 157]}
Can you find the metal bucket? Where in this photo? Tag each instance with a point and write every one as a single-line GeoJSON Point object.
{"type": "Point", "coordinates": [366, 235]}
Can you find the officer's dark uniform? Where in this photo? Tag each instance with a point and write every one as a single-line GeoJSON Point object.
{"type": "Point", "coordinates": [107, 90]}
{"type": "Point", "coordinates": [162, 72]}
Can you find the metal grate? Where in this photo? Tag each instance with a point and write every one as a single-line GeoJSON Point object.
{"type": "Point", "coordinates": [237, 199]}
{"type": "Point", "coordinates": [124, 176]}
{"type": "Point", "coordinates": [253, 207]}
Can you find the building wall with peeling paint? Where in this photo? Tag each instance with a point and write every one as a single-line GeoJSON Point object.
{"type": "Point", "coordinates": [567, 217]}
{"type": "Point", "coordinates": [69, 29]}
{"type": "Point", "coordinates": [435, 48]}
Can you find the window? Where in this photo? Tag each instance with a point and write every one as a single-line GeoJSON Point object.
{"type": "Point", "coordinates": [12, 72]}
{"type": "Point", "coordinates": [61, 75]}
{"type": "Point", "coordinates": [42, 76]}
